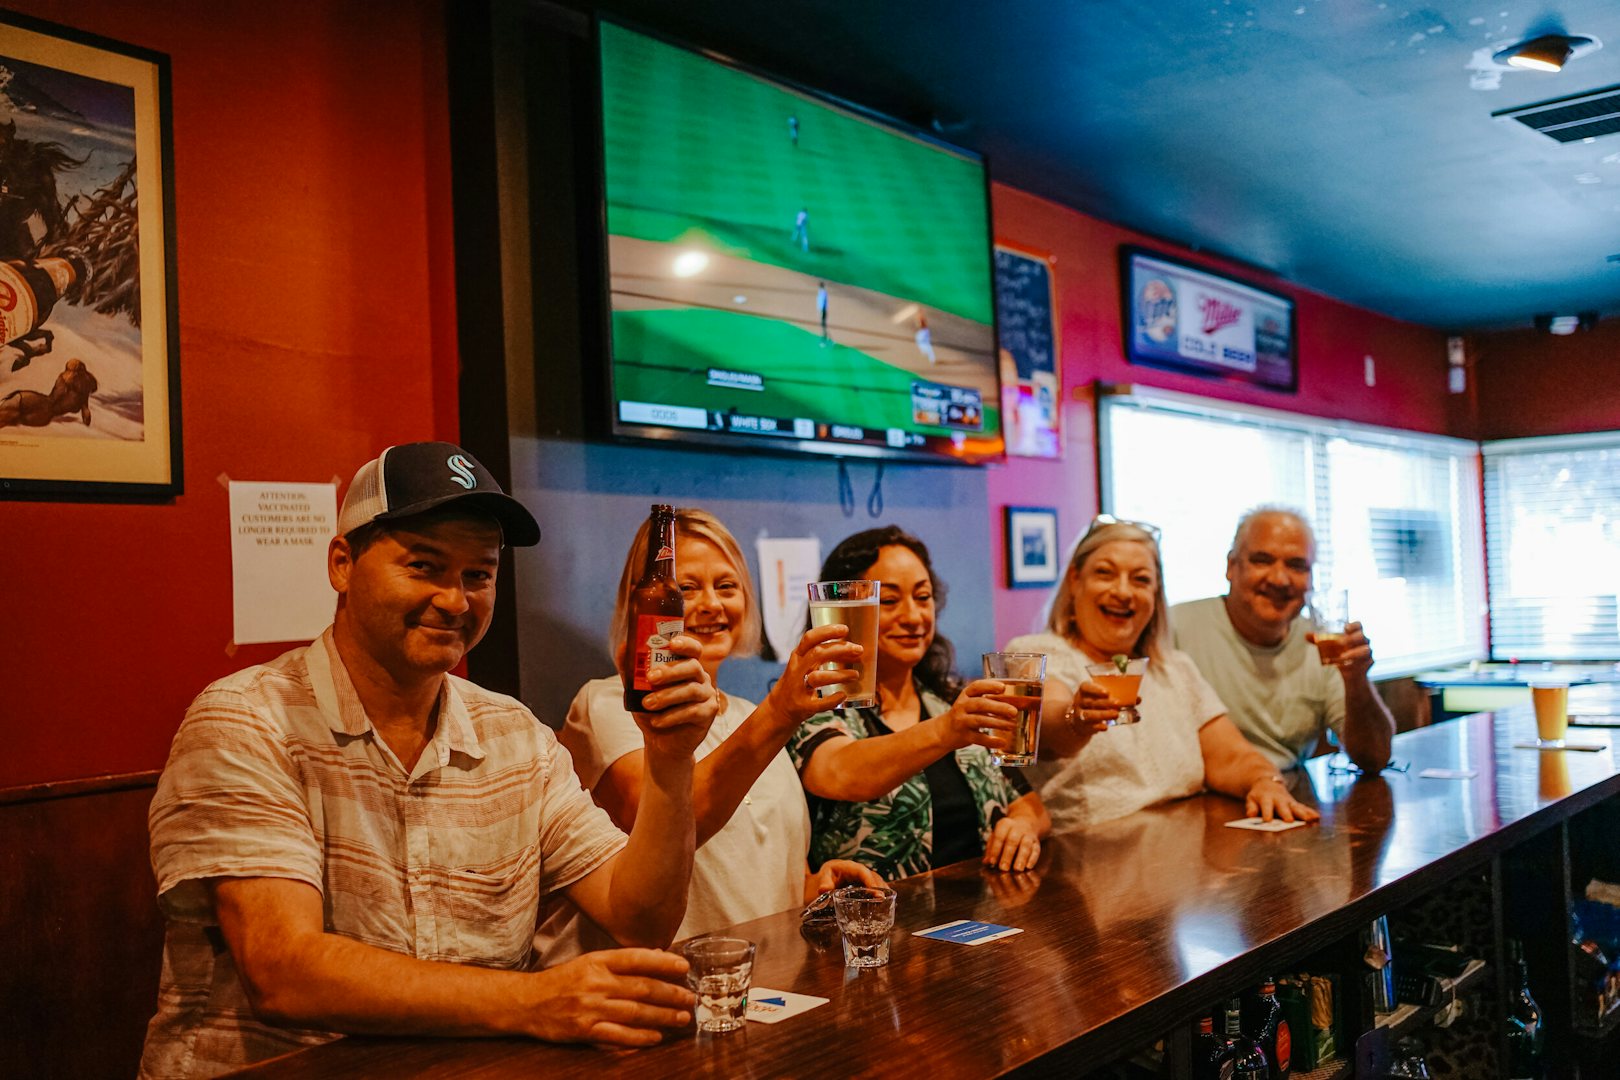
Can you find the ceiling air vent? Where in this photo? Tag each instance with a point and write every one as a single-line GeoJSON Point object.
{"type": "Point", "coordinates": [1571, 119]}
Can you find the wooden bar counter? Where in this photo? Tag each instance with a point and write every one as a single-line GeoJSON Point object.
{"type": "Point", "coordinates": [1130, 929]}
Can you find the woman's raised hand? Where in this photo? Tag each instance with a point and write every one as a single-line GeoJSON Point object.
{"type": "Point", "coordinates": [976, 718]}
{"type": "Point", "coordinates": [794, 694]}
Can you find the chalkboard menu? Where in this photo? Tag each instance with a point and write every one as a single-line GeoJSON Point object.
{"type": "Point", "coordinates": [1026, 333]}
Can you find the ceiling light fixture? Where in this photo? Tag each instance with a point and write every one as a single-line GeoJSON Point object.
{"type": "Point", "coordinates": [1549, 52]}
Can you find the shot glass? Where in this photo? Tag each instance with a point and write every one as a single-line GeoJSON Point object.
{"type": "Point", "coordinates": [719, 974]}
{"type": "Point", "coordinates": [865, 917]}
{"type": "Point", "coordinates": [1123, 686]}
{"type": "Point", "coordinates": [1023, 674]}
{"type": "Point", "coordinates": [1329, 615]}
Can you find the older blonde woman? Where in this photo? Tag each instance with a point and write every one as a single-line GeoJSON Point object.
{"type": "Point", "coordinates": [753, 827]}
{"type": "Point", "coordinates": [1109, 603]}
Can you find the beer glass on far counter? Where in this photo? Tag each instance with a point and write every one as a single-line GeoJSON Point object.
{"type": "Point", "coordinates": [1550, 695]}
{"type": "Point", "coordinates": [855, 604]}
{"type": "Point", "coordinates": [1022, 674]}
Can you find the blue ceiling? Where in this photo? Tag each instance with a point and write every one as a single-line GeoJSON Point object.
{"type": "Point", "coordinates": [1337, 143]}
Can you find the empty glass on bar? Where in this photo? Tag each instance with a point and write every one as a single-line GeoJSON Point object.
{"type": "Point", "coordinates": [719, 975]}
{"type": "Point", "coordinates": [865, 917]}
{"type": "Point", "coordinates": [855, 604]}
{"type": "Point", "coordinates": [1023, 674]}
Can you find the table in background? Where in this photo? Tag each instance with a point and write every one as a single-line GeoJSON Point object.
{"type": "Point", "coordinates": [1130, 929]}
{"type": "Point", "coordinates": [1483, 687]}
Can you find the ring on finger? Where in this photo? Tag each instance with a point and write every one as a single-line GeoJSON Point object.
{"type": "Point", "coordinates": [807, 685]}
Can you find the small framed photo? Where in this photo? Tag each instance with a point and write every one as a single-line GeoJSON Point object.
{"type": "Point", "coordinates": [1032, 546]}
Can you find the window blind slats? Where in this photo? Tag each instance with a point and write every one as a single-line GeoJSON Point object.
{"type": "Point", "coordinates": [1552, 511]}
{"type": "Point", "coordinates": [1396, 516]}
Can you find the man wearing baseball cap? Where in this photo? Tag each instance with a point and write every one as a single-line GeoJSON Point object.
{"type": "Point", "coordinates": [350, 839]}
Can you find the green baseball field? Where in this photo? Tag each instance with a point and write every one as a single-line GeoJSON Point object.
{"type": "Point", "coordinates": [761, 185]}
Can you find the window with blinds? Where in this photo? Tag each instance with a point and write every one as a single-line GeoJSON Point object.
{"type": "Point", "coordinates": [1396, 514]}
{"type": "Point", "coordinates": [1552, 514]}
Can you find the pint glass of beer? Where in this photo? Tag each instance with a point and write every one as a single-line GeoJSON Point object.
{"type": "Point", "coordinates": [855, 604]}
{"type": "Point", "coordinates": [1022, 674]}
{"type": "Point", "coordinates": [1550, 696]}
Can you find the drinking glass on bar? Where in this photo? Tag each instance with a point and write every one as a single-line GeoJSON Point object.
{"type": "Point", "coordinates": [1550, 695]}
{"type": "Point", "coordinates": [1023, 674]}
{"type": "Point", "coordinates": [720, 970]}
{"type": "Point", "coordinates": [1329, 615]}
{"type": "Point", "coordinates": [865, 918]}
{"type": "Point", "coordinates": [1122, 678]}
{"type": "Point", "coordinates": [855, 604]}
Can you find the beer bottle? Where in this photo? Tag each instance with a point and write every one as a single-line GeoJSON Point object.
{"type": "Point", "coordinates": [656, 608]}
{"type": "Point", "coordinates": [29, 289]}
{"type": "Point", "coordinates": [1266, 1026]}
{"type": "Point", "coordinates": [1212, 1055]}
{"type": "Point", "coordinates": [1248, 1060]}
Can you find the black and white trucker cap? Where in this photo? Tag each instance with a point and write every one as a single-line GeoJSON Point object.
{"type": "Point", "coordinates": [413, 478]}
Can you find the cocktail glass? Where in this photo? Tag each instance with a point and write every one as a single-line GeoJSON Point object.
{"type": "Point", "coordinates": [1124, 685]}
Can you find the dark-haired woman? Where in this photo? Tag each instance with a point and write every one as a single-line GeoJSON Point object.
{"type": "Point", "coordinates": [910, 785]}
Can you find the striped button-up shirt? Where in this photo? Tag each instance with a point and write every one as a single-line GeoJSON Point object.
{"type": "Point", "coordinates": [277, 772]}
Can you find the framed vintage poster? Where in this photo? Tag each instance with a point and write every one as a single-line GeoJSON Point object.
{"type": "Point", "coordinates": [1027, 348]}
{"type": "Point", "coordinates": [89, 362]}
{"type": "Point", "coordinates": [1032, 546]}
{"type": "Point", "coordinates": [1183, 318]}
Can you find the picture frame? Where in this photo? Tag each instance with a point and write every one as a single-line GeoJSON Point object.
{"type": "Point", "coordinates": [1031, 546]}
{"type": "Point", "coordinates": [89, 329]}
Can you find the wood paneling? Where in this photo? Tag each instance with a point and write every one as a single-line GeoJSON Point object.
{"type": "Point", "coordinates": [82, 938]}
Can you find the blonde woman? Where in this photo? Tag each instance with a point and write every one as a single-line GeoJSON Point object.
{"type": "Point", "coordinates": [753, 827]}
{"type": "Point", "coordinates": [1110, 603]}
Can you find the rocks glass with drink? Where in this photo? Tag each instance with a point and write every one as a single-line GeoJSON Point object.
{"type": "Point", "coordinates": [865, 917]}
{"type": "Point", "coordinates": [1022, 674]}
{"type": "Point", "coordinates": [854, 604]}
{"type": "Point", "coordinates": [720, 970]}
{"type": "Point", "coordinates": [1550, 695]}
{"type": "Point", "coordinates": [1122, 678]}
{"type": "Point", "coordinates": [1329, 615]}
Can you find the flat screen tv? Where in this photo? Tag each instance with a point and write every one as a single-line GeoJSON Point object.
{"type": "Point", "coordinates": [789, 273]}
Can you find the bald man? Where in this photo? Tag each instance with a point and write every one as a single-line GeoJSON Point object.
{"type": "Point", "coordinates": [1255, 650]}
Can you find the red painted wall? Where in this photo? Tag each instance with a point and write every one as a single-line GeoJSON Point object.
{"type": "Point", "coordinates": [317, 324]}
{"type": "Point", "coordinates": [1410, 360]}
{"type": "Point", "coordinates": [1532, 383]}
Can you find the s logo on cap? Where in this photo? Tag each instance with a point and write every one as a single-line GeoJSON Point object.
{"type": "Point", "coordinates": [463, 471]}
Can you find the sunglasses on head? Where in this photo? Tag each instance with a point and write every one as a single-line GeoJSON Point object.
{"type": "Point", "coordinates": [1102, 520]}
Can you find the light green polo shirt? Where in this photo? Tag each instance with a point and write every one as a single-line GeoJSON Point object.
{"type": "Point", "coordinates": [1282, 698]}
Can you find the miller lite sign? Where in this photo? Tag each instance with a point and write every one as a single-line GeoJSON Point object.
{"type": "Point", "coordinates": [1188, 319]}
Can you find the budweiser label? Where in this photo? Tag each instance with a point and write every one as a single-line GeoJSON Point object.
{"type": "Point", "coordinates": [652, 636]}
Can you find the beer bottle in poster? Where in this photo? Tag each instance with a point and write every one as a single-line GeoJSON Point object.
{"type": "Point", "coordinates": [656, 608]}
{"type": "Point", "coordinates": [29, 289]}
